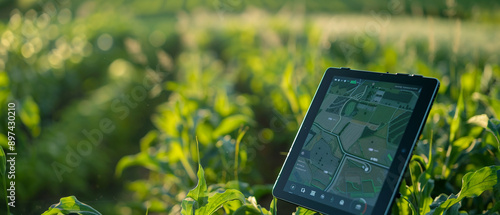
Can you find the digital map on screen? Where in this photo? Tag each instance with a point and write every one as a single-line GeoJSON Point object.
{"type": "Point", "coordinates": [354, 137]}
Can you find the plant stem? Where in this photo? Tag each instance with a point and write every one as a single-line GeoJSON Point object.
{"type": "Point", "coordinates": [242, 132]}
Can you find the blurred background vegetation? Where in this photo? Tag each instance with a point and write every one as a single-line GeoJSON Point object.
{"type": "Point", "coordinates": [113, 95]}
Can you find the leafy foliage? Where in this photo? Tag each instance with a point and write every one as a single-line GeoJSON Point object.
{"type": "Point", "coordinates": [3, 180]}
{"type": "Point", "coordinates": [199, 201]}
{"type": "Point", "coordinates": [491, 125]}
{"type": "Point", "coordinates": [473, 184]}
{"type": "Point", "coordinates": [70, 205]}
{"type": "Point", "coordinates": [238, 80]}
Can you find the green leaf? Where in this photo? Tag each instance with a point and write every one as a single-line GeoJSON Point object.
{"type": "Point", "coordinates": [4, 87]}
{"type": "Point", "coordinates": [216, 201]}
{"type": "Point", "coordinates": [222, 104]}
{"type": "Point", "coordinates": [459, 148]}
{"type": "Point", "coordinates": [141, 159]}
{"type": "Point", "coordinates": [30, 116]}
{"type": "Point", "coordinates": [491, 125]}
{"type": "Point", "coordinates": [188, 206]}
{"type": "Point", "coordinates": [426, 186]}
{"type": "Point", "coordinates": [4, 142]}
{"type": "Point", "coordinates": [410, 204]}
{"type": "Point", "coordinates": [230, 124]}
{"type": "Point", "coordinates": [430, 164]}
{"type": "Point", "coordinates": [462, 143]}
{"type": "Point", "coordinates": [3, 183]}
{"type": "Point", "coordinates": [251, 208]}
{"type": "Point", "coordinates": [199, 193]}
{"type": "Point", "coordinates": [453, 210]}
{"type": "Point", "coordinates": [247, 210]}
{"type": "Point", "coordinates": [494, 126]}
{"type": "Point", "coordinates": [496, 192]}
{"type": "Point", "coordinates": [204, 132]}
{"type": "Point", "coordinates": [287, 86]}
{"type": "Point", "coordinates": [232, 206]}
{"type": "Point", "coordinates": [455, 123]}
{"type": "Point", "coordinates": [303, 211]}
{"type": "Point", "coordinates": [273, 207]}
{"type": "Point", "coordinates": [147, 140]}
{"type": "Point", "coordinates": [71, 205]}
{"type": "Point", "coordinates": [438, 201]}
{"type": "Point", "coordinates": [403, 202]}
{"type": "Point", "coordinates": [3, 164]}
{"type": "Point", "coordinates": [479, 120]}
{"type": "Point", "coordinates": [473, 184]}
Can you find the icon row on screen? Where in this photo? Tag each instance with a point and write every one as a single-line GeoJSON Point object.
{"type": "Point", "coordinates": [358, 205]}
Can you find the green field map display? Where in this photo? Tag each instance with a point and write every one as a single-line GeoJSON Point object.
{"type": "Point", "coordinates": [354, 137]}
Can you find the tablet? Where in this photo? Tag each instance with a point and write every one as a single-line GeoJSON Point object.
{"type": "Point", "coordinates": [355, 142]}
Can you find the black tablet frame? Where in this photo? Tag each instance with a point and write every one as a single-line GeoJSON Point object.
{"type": "Point", "coordinates": [429, 89]}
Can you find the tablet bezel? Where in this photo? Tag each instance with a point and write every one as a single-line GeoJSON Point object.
{"type": "Point", "coordinates": [429, 89]}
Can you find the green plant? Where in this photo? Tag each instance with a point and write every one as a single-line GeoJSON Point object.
{"type": "Point", "coordinates": [238, 80]}
{"type": "Point", "coordinates": [70, 205]}
{"type": "Point", "coordinates": [202, 201]}
{"type": "Point", "coordinates": [473, 184]}
{"type": "Point", "coordinates": [3, 181]}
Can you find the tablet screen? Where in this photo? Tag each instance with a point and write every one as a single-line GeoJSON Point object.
{"type": "Point", "coordinates": [352, 142]}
